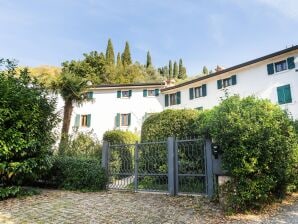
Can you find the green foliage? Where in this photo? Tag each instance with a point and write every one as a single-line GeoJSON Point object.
{"type": "Point", "coordinates": [27, 119]}
{"type": "Point", "coordinates": [73, 173]}
{"type": "Point", "coordinates": [182, 70]}
{"type": "Point", "coordinates": [83, 144]}
{"type": "Point", "coordinates": [120, 137]}
{"type": "Point", "coordinates": [205, 70]}
{"type": "Point", "coordinates": [258, 143]}
{"type": "Point", "coordinates": [16, 191]}
{"type": "Point", "coordinates": [170, 69]}
{"type": "Point", "coordinates": [126, 57]}
{"type": "Point", "coordinates": [175, 71]}
{"type": "Point", "coordinates": [177, 123]}
{"type": "Point", "coordinates": [148, 61]}
{"type": "Point", "coordinates": [110, 56]}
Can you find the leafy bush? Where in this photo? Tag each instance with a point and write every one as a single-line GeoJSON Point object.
{"type": "Point", "coordinates": [177, 123]}
{"type": "Point", "coordinates": [73, 173]}
{"type": "Point", "coordinates": [258, 143]}
{"type": "Point", "coordinates": [26, 119]}
{"type": "Point", "coordinates": [16, 191]}
{"type": "Point", "coordinates": [82, 144]}
{"type": "Point", "coordinates": [121, 160]}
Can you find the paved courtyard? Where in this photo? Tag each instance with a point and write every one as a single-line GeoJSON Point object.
{"type": "Point", "coordinates": [53, 206]}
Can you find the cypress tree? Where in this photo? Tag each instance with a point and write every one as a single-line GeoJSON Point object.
{"type": "Point", "coordinates": [183, 73]}
{"type": "Point", "coordinates": [205, 70]}
{"type": "Point", "coordinates": [170, 69]}
{"type": "Point", "coordinates": [175, 72]}
{"type": "Point", "coordinates": [119, 62]}
{"type": "Point", "coordinates": [180, 69]}
{"type": "Point", "coordinates": [148, 62]}
{"type": "Point", "coordinates": [126, 58]}
{"type": "Point", "coordinates": [110, 57]}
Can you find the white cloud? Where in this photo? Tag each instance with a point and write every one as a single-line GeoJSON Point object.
{"type": "Point", "coordinates": [288, 8]}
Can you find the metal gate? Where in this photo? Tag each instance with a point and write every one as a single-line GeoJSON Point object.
{"type": "Point", "coordinates": [172, 166]}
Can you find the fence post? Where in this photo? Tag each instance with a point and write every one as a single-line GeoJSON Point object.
{"type": "Point", "coordinates": [209, 168]}
{"type": "Point", "coordinates": [105, 155]}
{"type": "Point", "coordinates": [171, 166]}
{"type": "Point", "coordinates": [136, 165]}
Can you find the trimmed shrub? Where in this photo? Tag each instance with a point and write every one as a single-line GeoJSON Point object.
{"type": "Point", "coordinates": [73, 173]}
{"type": "Point", "coordinates": [27, 119]}
{"type": "Point", "coordinates": [122, 157]}
{"type": "Point", "coordinates": [258, 143]}
{"type": "Point", "coordinates": [177, 123]}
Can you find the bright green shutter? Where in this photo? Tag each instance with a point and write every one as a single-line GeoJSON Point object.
{"type": "Point", "coordinates": [129, 93]}
{"type": "Point", "coordinates": [167, 100]}
{"type": "Point", "coordinates": [118, 94]}
{"type": "Point", "coordinates": [190, 93]}
{"type": "Point", "coordinates": [270, 69]}
{"type": "Point", "coordinates": [219, 84]}
{"type": "Point", "coordinates": [291, 63]}
{"type": "Point", "coordinates": [234, 80]}
{"type": "Point", "coordinates": [89, 95]}
{"type": "Point", "coordinates": [287, 94]}
{"type": "Point", "coordinates": [144, 92]}
{"type": "Point", "coordinates": [204, 90]}
{"type": "Point", "coordinates": [129, 119]}
{"type": "Point", "coordinates": [88, 120]}
{"type": "Point", "coordinates": [77, 120]}
{"type": "Point", "coordinates": [156, 92]}
{"type": "Point", "coordinates": [118, 120]}
{"type": "Point", "coordinates": [178, 97]}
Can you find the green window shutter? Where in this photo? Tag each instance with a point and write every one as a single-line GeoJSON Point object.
{"type": "Point", "coordinates": [270, 69]}
{"type": "Point", "coordinates": [88, 120]}
{"type": "Point", "coordinates": [167, 100]}
{"type": "Point", "coordinates": [156, 92]}
{"type": "Point", "coordinates": [287, 94]}
{"type": "Point", "coordinates": [89, 95]}
{"type": "Point", "coordinates": [129, 93]}
{"type": "Point", "coordinates": [234, 80]}
{"type": "Point", "coordinates": [204, 90]}
{"type": "Point", "coordinates": [178, 97]}
{"type": "Point", "coordinates": [129, 119]}
{"type": "Point", "coordinates": [117, 120]}
{"type": "Point", "coordinates": [144, 92]}
{"type": "Point", "coordinates": [280, 95]}
{"type": "Point", "coordinates": [291, 63]}
{"type": "Point", "coordinates": [219, 84]}
{"type": "Point", "coordinates": [190, 93]}
{"type": "Point", "coordinates": [118, 94]}
{"type": "Point", "coordinates": [77, 120]}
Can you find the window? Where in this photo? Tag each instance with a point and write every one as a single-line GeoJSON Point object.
{"type": "Point", "coordinates": [284, 94]}
{"type": "Point", "coordinates": [89, 95]}
{"type": "Point", "coordinates": [173, 99]}
{"type": "Point", "coordinates": [123, 120]}
{"type": "Point", "coordinates": [124, 93]}
{"type": "Point", "coordinates": [283, 65]}
{"type": "Point", "coordinates": [150, 92]}
{"type": "Point", "coordinates": [197, 92]}
{"type": "Point", "coordinates": [280, 66]}
{"type": "Point", "coordinates": [222, 83]}
{"type": "Point", "coordinates": [83, 120]}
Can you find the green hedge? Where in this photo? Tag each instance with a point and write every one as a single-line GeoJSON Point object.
{"type": "Point", "coordinates": [259, 145]}
{"type": "Point", "coordinates": [177, 123]}
{"type": "Point", "coordinates": [73, 173]}
{"type": "Point", "coordinates": [120, 137]}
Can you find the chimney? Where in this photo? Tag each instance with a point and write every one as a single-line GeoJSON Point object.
{"type": "Point", "coordinates": [219, 68]}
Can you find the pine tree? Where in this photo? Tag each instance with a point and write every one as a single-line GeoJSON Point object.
{"type": "Point", "coordinates": [170, 69]}
{"type": "Point", "coordinates": [148, 62]}
{"type": "Point", "coordinates": [175, 71]}
{"type": "Point", "coordinates": [119, 62]}
{"type": "Point", "coordinates": [126, 58]}
{"type": "Point", "coordinates": [110, 57]}
{"type": "Point", "coordinates": [180, 69]}
{"type": "Point", "coordinates": [205, 70]}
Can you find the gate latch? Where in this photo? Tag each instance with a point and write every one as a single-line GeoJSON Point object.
{"type": "Point", "coordinates": [215, 150]}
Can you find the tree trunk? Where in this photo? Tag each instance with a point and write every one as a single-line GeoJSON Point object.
{"type": "Point", "coordinates": [68, 108]}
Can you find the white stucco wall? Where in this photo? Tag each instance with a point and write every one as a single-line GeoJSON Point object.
{"type": "Point", "coordinates": [106, 105]}
{"type": "Point", "coordinates": [253, 80]}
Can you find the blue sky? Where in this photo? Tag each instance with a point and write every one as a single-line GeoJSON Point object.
{"type": "Point", "coordinates": [201, 32]}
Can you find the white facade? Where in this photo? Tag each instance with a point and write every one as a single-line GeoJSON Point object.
{"type": "Point", "coordinates": [250, 78]}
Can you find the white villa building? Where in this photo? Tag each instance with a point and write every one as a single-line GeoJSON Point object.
{"type": "Point", "coordinates": [126, 106]}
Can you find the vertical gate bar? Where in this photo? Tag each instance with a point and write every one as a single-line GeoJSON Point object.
{"type": "Point", "coordinates": [171, 165]}
{"type": "Point", "coordinates": [136, 164]}
{"type": "Point", "coordinates": [105, 157]}
{"type": "Point", "coordinates": [176, 168]}
{"type": "Point", "coordinates": [210, 179]}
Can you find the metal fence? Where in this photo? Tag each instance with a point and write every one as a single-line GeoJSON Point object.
{"type": "Point", "coordinates": [172, 166]}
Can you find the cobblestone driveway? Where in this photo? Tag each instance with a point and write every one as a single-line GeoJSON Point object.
{"type": "Point", "coordinates": [53, 206]}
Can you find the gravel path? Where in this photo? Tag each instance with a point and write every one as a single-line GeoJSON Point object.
{"type": "Point", "coordinates": [53, 206]}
